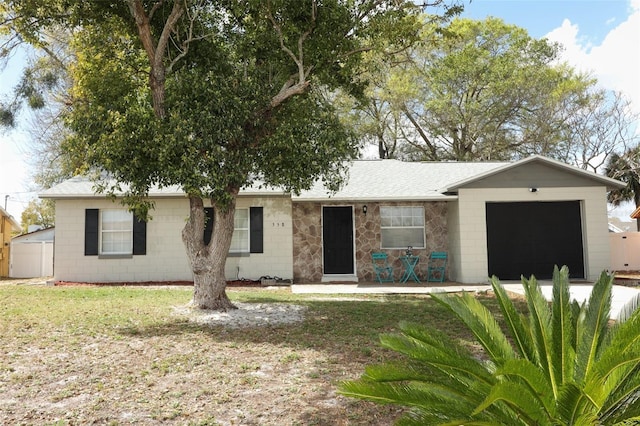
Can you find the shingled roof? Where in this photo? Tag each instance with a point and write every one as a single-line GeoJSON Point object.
{"type": "Point", "coordinates": [368, 180]}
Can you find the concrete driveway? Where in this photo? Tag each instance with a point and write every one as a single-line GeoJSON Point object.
{"type": "Point", "coordinates": [579, 292]}
{"type": "Point", "coordinates": [620, 295]}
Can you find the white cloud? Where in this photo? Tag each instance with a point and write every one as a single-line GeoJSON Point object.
{"type": "Point", "coordinates": [615, 62]}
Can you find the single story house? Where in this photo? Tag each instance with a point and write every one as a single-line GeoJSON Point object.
{"type": "Point", "coordinates": [493, 218]}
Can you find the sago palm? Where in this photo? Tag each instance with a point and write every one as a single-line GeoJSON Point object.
{"type": "Point", "coordinates": [562, 363]}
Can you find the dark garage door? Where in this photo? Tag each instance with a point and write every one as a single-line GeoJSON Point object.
{"type": "Point", "coordinates": [530, 238]}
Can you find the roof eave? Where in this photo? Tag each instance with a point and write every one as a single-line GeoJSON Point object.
{"type": "Point", "coordinates": [154, 195]}
{"type": "Point", "coordinates": [12, 221]}
{"type": "Point", "coordinates": [374, 199]}
{"type": "Point", "coordinates": [606, 181]}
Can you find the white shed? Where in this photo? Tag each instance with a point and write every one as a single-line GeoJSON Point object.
{"type": "Point", "coordinates": [32, 254]}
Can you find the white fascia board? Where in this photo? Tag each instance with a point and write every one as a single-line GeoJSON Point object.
{"type": "Point", "coordinates": [157, 195]}
{"type": "Point", "coordinates": [373, 199]}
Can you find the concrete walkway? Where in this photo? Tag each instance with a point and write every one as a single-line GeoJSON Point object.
{"type": "Point", "coordinates": [580, 292]}
{"type": "Point", "coordinates": [390, 288]}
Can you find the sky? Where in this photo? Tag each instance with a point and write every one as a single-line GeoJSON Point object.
{"type": "Point", "coordinates": [601, 37]}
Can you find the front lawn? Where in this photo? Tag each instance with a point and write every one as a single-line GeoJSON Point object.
{"type": "Point", "coordinates": [120, 355]}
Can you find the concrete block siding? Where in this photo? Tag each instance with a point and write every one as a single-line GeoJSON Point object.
{"type": "Point", "coordinates": [470, 217]}
{"type": "Point", "coordinates": [166, 259]}
{"type": "Point", "coordinates": [454, 196]}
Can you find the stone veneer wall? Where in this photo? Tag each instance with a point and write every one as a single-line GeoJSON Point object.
{"type": "Point", "coordinates": [307, 239]}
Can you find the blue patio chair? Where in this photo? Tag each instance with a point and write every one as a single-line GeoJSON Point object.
{"type": "Point", "coordinates": [384, 272]}
{"type": "Point", "coordinates": [437, 266]}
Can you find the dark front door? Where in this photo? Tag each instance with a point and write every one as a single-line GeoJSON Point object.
{"type": "Point", "coordinates": [337, 240]}
{"type": "Point", "coordinates": [531, 237]}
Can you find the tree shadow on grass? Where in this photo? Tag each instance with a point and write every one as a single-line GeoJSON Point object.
{"type": "Point", "coordinates": [339, 337]}
{"type": "Point", "coordinates": [326, 324]}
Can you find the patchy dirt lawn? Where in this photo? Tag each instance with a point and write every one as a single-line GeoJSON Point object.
{"type": "Point", "coordinates": [83, 356]}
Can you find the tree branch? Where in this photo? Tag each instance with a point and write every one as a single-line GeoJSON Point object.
{"type": "Point", "coordinates": [154, 8]}
{"type": "Point", "coordinates": [144, 30]}
{"type": "Point", "coordinates": [420, 130]}
{"type": "Point", "coordinates": [176, 12]}
{"type": "Point", "coordinates": [296, 84]}
{"type": "Point", "coordinates": [183, 48]}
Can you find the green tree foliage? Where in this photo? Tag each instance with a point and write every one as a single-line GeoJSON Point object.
{"type": "Point", "coordinates": [486, 90]}
{"type": "Point", "coordinates": [38, 212]}
{"type": "Point", "coordinates": [34, 30]}
{"type": "Point", "coordinates": [215, 96]}
{"type": "Point", "coordinates": [562, 363]}
{"type": "Point", "coordinates": [42, 95]}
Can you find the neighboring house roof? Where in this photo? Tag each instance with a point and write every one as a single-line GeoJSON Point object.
{"type": "Point", "coordinates": [41, 235]}
{"type": "Point", "coordinates": [372, 180]}
{"type": "Point", "coordinates": [14, 223]}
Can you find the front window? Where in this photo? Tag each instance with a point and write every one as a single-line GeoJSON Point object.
{"type": "Point", "coordinates": [402, 227]}
{"type": "Point", "coordinates": [116, 232]}
{"type": "Point", "coordinates": [240, 239]}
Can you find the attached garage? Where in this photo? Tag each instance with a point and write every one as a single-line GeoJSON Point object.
{"type": "Point", "coordinates": [529, 238]}
{"type": "Point", "coordinates": [525, 217]}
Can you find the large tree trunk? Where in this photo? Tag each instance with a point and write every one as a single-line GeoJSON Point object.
{"type": "Point", "coordinates": [208, 261]}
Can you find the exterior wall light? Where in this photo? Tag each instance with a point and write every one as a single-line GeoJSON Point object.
{"type": "Point", "coordinates": [533, 189]}
{"type": "Point", "coordinates": [364, 209]}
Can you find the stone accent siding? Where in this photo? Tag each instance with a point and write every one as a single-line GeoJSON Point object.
{"type": "Point", "coordinates": [307, 238]}
{"type": "Point", "coordinates": [307, 242]}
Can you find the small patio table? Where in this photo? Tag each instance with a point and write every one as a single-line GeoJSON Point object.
{"type": "Point", "coordinates": [409, 262]}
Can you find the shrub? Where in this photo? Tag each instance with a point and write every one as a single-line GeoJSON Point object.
{"type": "Point", "coordinates": [560, 363]}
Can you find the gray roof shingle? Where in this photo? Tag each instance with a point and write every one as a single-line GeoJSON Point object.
{"type": "Point", "coordinates": [394, 179]}
{"type": "Point", "coordinates": [368, 180]}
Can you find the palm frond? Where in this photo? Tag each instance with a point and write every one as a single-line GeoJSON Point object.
{"type": "Point", "coordinates": [562, 326]}
{"type": "Point", "coordinates": [626, 412]}
{"type": "Point", "coordinates": [629, 308]}
{"type": "Point", "coordinates": [457, 385]}
{"type": "Point", "coordinates": [516, 323]}
{"type": "Point", "coordinates": [431, 400]}
{"type": "Point", "coordinates": [572, 403]}
{"type": "Point", "coordinates": [397, 372]}
{"type": "Point", "coordinates": [418, 418]}
{"type": "Point", "coordinates": [437, 353]}
{"type": "Point", "coordinates": [625, 402]}
{"type": "Point", "coordinates": [482, 324]}
{"type": "Point", "coordinates": [530, 375]}
{"type": "Point", "coordinates": [618, 366]}
{"type": "Point", "coordinates": [519, 399]}
{"type": "Point", "coordinates": [594, 326]}
{"type": "Point", "coordinates": [540, 320]}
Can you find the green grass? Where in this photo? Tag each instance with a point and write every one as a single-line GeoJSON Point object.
{"type": "Point", "coordinates": [102, 353]}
